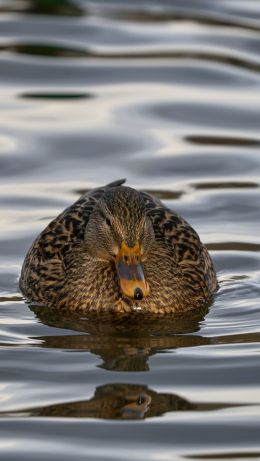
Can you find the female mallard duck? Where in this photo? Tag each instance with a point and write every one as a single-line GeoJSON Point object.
{"type": "Point", "coordinates": [118, 249]}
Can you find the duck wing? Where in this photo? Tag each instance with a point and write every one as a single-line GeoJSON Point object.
{"type": "Point", "coordinates": [44, 265]}
{"type": "Point", "coordinates": [184, 244]}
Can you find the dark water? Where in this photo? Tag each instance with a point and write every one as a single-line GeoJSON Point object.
{"type": "Point", "coordinates": [166, 94]}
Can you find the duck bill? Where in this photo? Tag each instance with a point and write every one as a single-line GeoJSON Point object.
{"type": "Point", "coordinates": [131, 273]}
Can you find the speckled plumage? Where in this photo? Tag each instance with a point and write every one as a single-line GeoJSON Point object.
{"type": "Point", "coordinates": [59, 272]}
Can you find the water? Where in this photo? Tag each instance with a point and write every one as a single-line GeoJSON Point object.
{"type": "Point", "coordinates": [166, 94]}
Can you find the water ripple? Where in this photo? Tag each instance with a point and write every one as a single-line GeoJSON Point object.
{"type": "Point", "coordinates": [167, 95]}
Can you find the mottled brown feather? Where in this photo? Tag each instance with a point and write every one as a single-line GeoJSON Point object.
{"type": "Point", "coordinates": [59, 273]}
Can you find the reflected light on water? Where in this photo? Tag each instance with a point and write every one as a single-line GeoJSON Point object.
{"type": "Point", "coordinates": [167, 96]}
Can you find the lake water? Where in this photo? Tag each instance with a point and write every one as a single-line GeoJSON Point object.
{"type": "Point", "coordinates": [167, 95]}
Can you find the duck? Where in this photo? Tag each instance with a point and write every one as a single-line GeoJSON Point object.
{"type": "Point", "coordinates": [117, 249]}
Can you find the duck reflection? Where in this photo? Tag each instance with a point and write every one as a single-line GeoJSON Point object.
{"type": "Point", "coordinates": [124, 343]}
{"type": "Point", "coordinates": [119, 401]}
{"type": "Point", "coordinates": [124, 401]}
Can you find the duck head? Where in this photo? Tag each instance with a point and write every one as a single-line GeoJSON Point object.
{"type": "Point", "coordinates": [120, 232]}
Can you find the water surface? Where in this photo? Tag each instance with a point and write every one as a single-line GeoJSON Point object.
{"type": "Point", "coordinates": [167, 95]}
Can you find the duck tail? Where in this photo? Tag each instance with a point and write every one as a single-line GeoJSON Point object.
{"type": "Point", "coordinates": [117, 183]}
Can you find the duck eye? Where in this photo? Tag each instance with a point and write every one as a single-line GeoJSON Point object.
{"type": "Point", "coordinates": [108, 222]}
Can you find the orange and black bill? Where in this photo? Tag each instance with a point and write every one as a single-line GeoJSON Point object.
{"type": "Point", "coordinates": [130, 272]}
